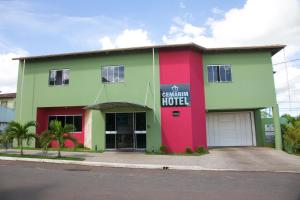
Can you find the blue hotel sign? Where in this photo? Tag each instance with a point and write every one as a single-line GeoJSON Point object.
{"type": "Point", "coordinates": [173, 95]}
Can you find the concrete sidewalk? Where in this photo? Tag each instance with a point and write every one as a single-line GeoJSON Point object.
{"type": "Point", "coordinates": [235, 159]}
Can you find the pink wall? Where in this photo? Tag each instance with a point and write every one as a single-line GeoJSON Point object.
{"type": "Point", "coordinates": [183, 66]}
{"type": "Point", "coordinates": [42, 121]}
{"type": "Point", "coordinates": [198, 96]}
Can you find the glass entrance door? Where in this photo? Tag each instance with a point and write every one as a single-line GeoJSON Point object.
{"type": "Point", "coordinates": [125, 130]}
{"type": "Point", "coordinates": [124, 137]}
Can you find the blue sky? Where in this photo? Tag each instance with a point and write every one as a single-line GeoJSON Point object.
{"type": "Point", "coordinates": [35, 27]}
{"type": "Point", "coordinates": [57, 26]}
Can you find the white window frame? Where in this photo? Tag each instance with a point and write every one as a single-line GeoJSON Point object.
{"type": "Point", "coordinates": [114, 79]}
{"type": "Point", "coordinates": [62, 81]}
{"type": "Point", "coordinates": [219, 74]}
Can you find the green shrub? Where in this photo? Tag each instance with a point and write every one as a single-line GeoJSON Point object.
{"type": "Point", "coordinates": [163, 149]}
{"type": "Point", "coordinates": [291, 134]}
{"type": "Point", "coordinates": [291, 139]}
{"type": "Point", "coordinates": [188, 150]}
{"type": "Point", "coordinates": [80, 146]}
{"type": "Point", "coordinates": [201, 150]}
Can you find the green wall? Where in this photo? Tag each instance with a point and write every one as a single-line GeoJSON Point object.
{"type": "Point", "coordinates": [252, 83]}
{"type": "Point", "coordinates": [85, 85]}
{"type": "Point", "coordinates": [252, 86]}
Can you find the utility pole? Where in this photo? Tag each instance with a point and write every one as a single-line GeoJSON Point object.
{"type": "Point", "coordinates": [287, 79]}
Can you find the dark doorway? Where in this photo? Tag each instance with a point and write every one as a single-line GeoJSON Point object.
{"type": "Point", "coordinates": [125, 131]}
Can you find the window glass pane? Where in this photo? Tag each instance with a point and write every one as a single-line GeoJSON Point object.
{"type": "Point", "coordinates": [110, 122]}
{"type": "Point", "coordinates": [104, 74]}
{"type": "Point", "coordinates": [58, 77]}
{"type": "Point", "coordinates": [121, 73]}
{"type": "Point", "coordinates": [222, 73]}
{"type": "Point", "coordinates": [210, 73]}
{"type": "Point", "coordinates": [69, 120]}
{"type": "Point", "coordinates": [124, 123]}
{"type": "Point", "coordinates": [216, 73]}
{"type": "Point", "coordinates": [110, 74]}
{"type": "Point", "coordinates": [213, 73]}
{"type": "Point", "coordinates": [51, 118]}
{"type": "Point", "coordinates": [140, 121]}
{"type": "Point", "coordinates": [62, 119]}
{"type": "Point", "coordinates": [110, 141]}
{"type": "Point", "coordinates": [78, 123]}
{"type": "Point", "coordinates": [116, 74]}
{"type": "Point", "coordinates": [66, 76]}
{"type": "Point", "coordinates": [141, 141]}
{"type": "Point", "coordinates": [52, 75]}
{"type": "Point", "coordinates": [228, 73]}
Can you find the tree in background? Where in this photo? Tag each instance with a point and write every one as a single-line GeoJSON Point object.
{"type": "Point", "coordinates": [21, 132]}
{"type": "Point", "coordinates": [6, 139]}
{"type": "Point", "coordinates": [291, 133]}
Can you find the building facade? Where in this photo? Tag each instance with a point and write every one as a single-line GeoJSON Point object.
{"type": "Point", "coordinates": [142, 98]}
{"type": "Point", "coordinates": [7, 109]}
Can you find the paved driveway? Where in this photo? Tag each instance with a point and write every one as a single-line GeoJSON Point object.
{"type": "Point", "coordinates": [243, 158]}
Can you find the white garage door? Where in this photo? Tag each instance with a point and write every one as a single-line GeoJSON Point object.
{"type": "Point", "coordinates": [230, 129]}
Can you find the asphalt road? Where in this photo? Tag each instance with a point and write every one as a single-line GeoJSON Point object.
{"type": "Point", "coordinates": [38, 181]}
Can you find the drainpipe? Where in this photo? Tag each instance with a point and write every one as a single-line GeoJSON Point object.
{"type": "Point", "coordinates": [153, 76]}
{"type": "Point", "coordinates": [22, 83]}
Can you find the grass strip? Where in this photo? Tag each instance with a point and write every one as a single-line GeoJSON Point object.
{"type": "Point", "coordinates": [40, 157]}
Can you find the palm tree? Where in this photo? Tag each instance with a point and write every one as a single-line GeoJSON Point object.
{"type": "Point", "coordinates": [44, 140]}
{"type": "Point", "coordinates": [21, 132]}
{"type": "Point", "coordinates": [61, 133]}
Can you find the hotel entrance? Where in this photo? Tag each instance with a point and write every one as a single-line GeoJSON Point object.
{"type": "Point", "coordinates": [125, 131]}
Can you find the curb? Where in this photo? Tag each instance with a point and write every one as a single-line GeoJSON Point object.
{"type": "Point", "coordinates": [137, 166]}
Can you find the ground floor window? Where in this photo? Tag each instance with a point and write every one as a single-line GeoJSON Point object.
{"type": "Point", "coordinates": [3, 126]}
{"type": "Point", "coordinates": [125, 130]}
{"type": "Point", "coordinates": [75, 120]}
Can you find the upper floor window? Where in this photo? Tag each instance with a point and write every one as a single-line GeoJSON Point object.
{"type": "Point", "coordinates": [219, 73]}
{"type": "Point", "coordinates": [112, 74]}
{"type": "Point", "coordinates": [59, 77]}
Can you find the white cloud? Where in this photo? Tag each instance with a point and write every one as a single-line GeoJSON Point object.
{"type": "Point", "coordinates": [184, 33]}
{"type": "Point", "coordinates": [260, 22]}
{"type": "Point", "coordinates": [256, 23]}
{"type": "Point", "coordinates": [128, 38]}
{"type": "Point", "coordinates": [288, 93]}
{"type": "Point", "coordinates": [9, 71]}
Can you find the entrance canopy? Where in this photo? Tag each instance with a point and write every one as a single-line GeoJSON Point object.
{"type": "Point", "coordinates": [110, 105]}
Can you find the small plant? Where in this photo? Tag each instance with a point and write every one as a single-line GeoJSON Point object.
{"type": "Point", "coordinates": [201, 150]}
{"type": "Point", "coordinates": [163, 149]}
{"type": "Point", "coordinates": [80, 146]}
{"type": "Point", "coordinates": [188, 150]}
{"type": "Point", "coordinates": [45, 140]}
{"type": "Point", "coordinates": [6, 140]}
